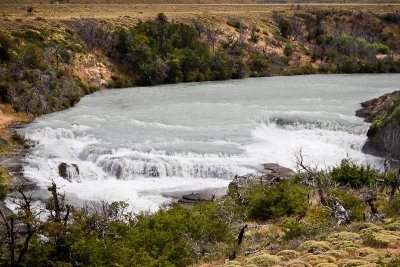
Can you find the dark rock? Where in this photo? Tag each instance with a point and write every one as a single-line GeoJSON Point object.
{"type": "Point", "coordinates": [200, 196]}
{"type": "Point", "coordinates": [383, 140]}
{"type": "Point", "coordinates": [272, 173]}
{"type": "Point", "coordinates": [76, 168]}
{"type": "Point", "coordinates": [191, 197]}
{"type": "Point", "coordinates": [64, 170]}
{"type": "Point", "coordinates": [6, 211]}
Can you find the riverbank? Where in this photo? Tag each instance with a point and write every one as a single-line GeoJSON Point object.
{"type": "Point", "coordinates": [13, 150]}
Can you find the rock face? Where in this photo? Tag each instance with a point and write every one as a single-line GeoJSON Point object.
{"type": "Point", "coordinates": [271, 174]}
{"type": "Point", "coordinates": [384, 133]}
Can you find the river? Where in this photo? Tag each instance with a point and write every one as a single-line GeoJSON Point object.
{"type": "Point", "coordinates": [141, 144]}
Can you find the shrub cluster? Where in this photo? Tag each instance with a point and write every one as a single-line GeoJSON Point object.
{"type": "Point", "coordinates": [34, 72]}
{"type": "Point", "coordinates": [355, 175]}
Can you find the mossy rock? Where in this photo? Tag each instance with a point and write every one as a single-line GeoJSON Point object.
{"type": "Point", "coordinates": [326, 265]}
{"type": "Point", "coordinates": [337, 253]}
{"type": "Point", "coordinates": [313, 245]}
{"type": "Point", "coordinates": [263, 260]}
{"type": "Point", "coordinates": [297, 263]}
{"type": "Point", "coordinates": [317, 259]}
{"type": "Point", "coordinates": [351, 263]}
{"type": "Point", "coordinates": [362, 252]}
{"type": "Point", "coordinates": [288, 254]}
{"type": "Point", "coordinates": [345, 239]}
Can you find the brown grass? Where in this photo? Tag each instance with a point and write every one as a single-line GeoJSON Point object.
{"type": "Point", "coordinates": [127, 12]}
{"type": "Point", "coordinates": [8, 117]}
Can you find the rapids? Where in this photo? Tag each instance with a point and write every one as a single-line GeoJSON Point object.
{"type": "Point", "coordinates": [140, 144]}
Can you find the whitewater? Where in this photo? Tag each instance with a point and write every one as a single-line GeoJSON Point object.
{"type": "Point", "coordinates": [143, 144]}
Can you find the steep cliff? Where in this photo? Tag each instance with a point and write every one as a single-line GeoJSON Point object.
{"type": "Point", "coordinates": [384, 134]}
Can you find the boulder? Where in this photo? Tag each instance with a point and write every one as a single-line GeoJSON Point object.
{"type": "Point", "coordinates": [68, 172]}
{"type": "Point", "coordinates": [63, 170]}
{"type": "Point", "coordinates": [207, 195]}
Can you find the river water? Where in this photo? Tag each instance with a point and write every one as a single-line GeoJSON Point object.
{"type": "Point", "coordinates": [141, 144]}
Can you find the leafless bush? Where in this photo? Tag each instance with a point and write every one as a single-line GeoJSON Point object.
{"type": "Point", "coordinates": [95, 34]}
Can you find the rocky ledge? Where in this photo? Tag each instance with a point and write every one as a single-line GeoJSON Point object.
{"type": "Point", "coordinates": [384, 134]}
{"type": "Point", "coordinates": [271, 173]}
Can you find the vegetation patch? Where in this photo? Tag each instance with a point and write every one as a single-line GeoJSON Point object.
{"type": "Point", "coordinates": [263, 260]}
{"type": "Point", "coordinates": [312, 245]}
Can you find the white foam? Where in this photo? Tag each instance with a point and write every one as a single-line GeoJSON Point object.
{"type": "Point", "coordinates": [139, 144]}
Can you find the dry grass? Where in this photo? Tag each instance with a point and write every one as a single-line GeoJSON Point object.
{"type": "Point", "coordinates": [127, 12]}
{"type": "Point", "coordinates": [8, 117]}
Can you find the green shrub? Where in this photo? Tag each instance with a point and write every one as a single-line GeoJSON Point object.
{"type": "Point", "coordinates": [288, 50]}
{"type": "Point", "coordinates": [294, 229]}
{"type": "Point", "coordinates": [350, 201]}
{"type": "Point", "coordinates": [283, 199]}
{"type": "Point", "coordinates": [350, 173]}
{"type": "Point", "coordinates": [379, 47]}
{"type": "Point", "coordinates": [235, 23]}
{"type": "Point", "coordinates": [392, 208]}
{"type": "Point", "coordinates": [372, 241]}
{"type": "Point", "coordinates": [5, 46]}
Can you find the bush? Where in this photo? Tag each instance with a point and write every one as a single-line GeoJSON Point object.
{"type": "Point", "coordinates": [288, 50]}
{"type": "Point", "coordinates": [5, 46]}
{"type": "Point", "coordinates": [373, 241]}
{"type": "Point", "coordinates": [350, 173]}
{"type": "Point", "coordinates": [312, 245]}
{"type": "Point", "coordinates": [393, 207]}
{"type": "Point", "coordinates": [350, 201]}
{"type": "Point", "coordinates": [263, 260]}
{"type": "Point", "coordinates": [379, 47]}
{"type": "Point", "coordinates": [293, 229]}
{"type": "Point", "coordinates": [283, 199]}
{"type": "Point", "coordinates": [235, 23]}
{"type": "Point", "coordinates": [285, 28]}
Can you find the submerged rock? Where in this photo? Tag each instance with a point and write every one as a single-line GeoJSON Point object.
{"type": "Point", "coordinates": [384, 134]}
{"type": "Point", "coordinates": [68, 172]}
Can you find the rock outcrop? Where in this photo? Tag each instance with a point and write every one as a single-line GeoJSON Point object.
{"type": "Point", "coordinates": [68, 172]}
{"type": "Point", "coordinates": [384, 133]}
{"type": "Point", "coordinates": [271, 174]}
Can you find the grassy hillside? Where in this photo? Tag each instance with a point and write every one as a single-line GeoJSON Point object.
{"type": "Point", "coordinates": [81, 47]}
